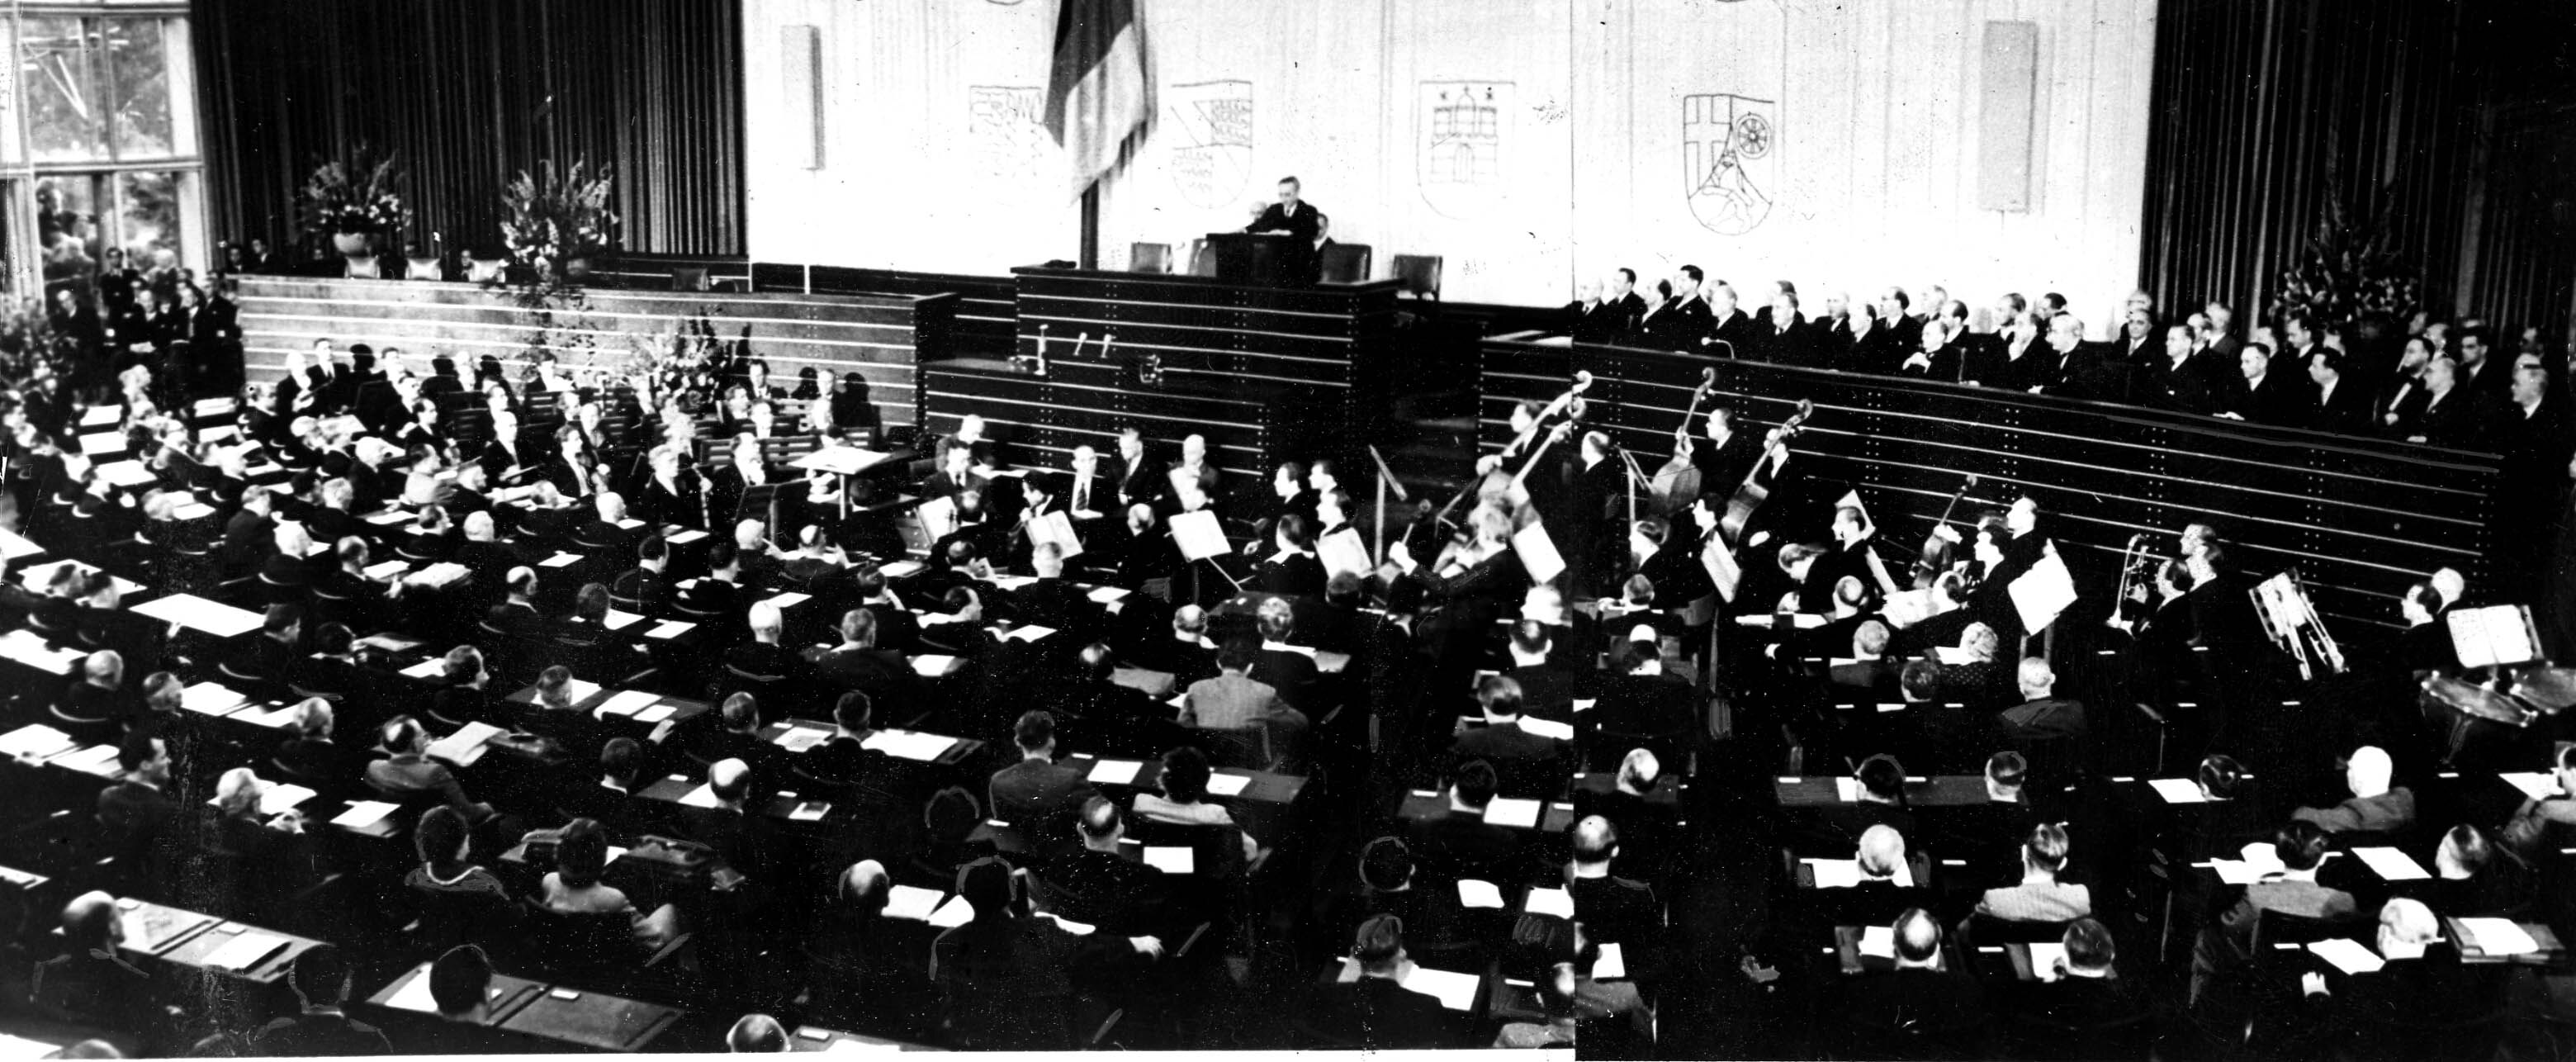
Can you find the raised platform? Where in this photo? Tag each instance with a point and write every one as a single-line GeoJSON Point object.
{"type": "Point", "coordinates": [2360, 518]}
{"type": "Point", "coordinates": [881, 337]}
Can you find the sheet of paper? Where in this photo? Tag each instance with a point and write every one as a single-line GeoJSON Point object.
{"type": "Point", "coordinates": [91, 759]}
{"type": "Point", "coordinates": [2235, 871]}
{"type": "Point", "coordinates": [789, 600]}
{"type": "Point", "coordinates": [809, 811]}
{"type": "Point", "coordinates": [909, 902]}
{"type": "Point", "coordinates": [911, 745]}
{"type": "Point", "coordinates": [197, 613]}
{"type": "Point", "coordinates": [364, 813]}
{"type": "Point", "coordinates": [684, 538]}
{"type": "Point", "coordinates": [2042, 593]}
{"type": "Point", "coordinates": [35, 741]}
{"type": "Point", "coordinates": [2497, 936]}
{"type": "Point", "coordinates": [1847, 789]}
{"type": "Point", "coordinates": [933, 665]}
{"type": "Point", "coordinates": [211, 698]}
{"type": "Point", "coordinates": [703, 796]}
{"type": "Point", "coordinates": [246, 951]}
{"type": "Point", "coordinates": [579, 691]}
{"type": "Point", "coordinates": [1115, 772]}
{"type": "Point", "coordinates": [1170, 860]}
{"type": "Point", "coordinates": [1512, 812]}
{"type": "Point", "coordinates": [801, 738]}
{"type": "Point", "coordinates": [1029, 633]}
{"type": "Point", "coordinates": [2348, 956]}
{"type": "Point", "coordinates": [1547, 728]}
{"type": "Point", "coordinates": [414, 994]}
{"type": "Point", "coordinates": [280, 797]}
{"type": "Point", "coordinates": [2178, 790]}
{"type": "Point", "coordinates": [2391, 864]}
{"type": "Point", "coordinates": [1834, 873]}
{"type": "Point", "coordinates": [1474, 893]}
{"type": "Point", "coordinates": [1456, 991]}
{"type": "Point", "coordinates": [1199, 535]}
{"type": "Point", "coordinates": [560, 560]}
{"type": "Point", "coordinates": [1343, 551]}
{"type": "Point", "coordinates": [901, 569]}
{"type": "Point", "coordinates": [670, 629]}
{"type": "Point", "coordinates": [431, 668]}
{"type": "Point", "coordinates": [2534, 784]}
{"type": "Point", "coordinates": [463, 742]}
{"type": "Point", "coordinates": [628, 702]}
{"type": "Point", "coordinates": [1014, 582]}
{"type": "Point", "coordinates": [1878, 942]}
{"type": "Point", "coordinates": [618, 621]}
{"type": "Point", "coordinates": [1611, 964]}
{"type": "Point", "coordinates": [1558, 902]}
{"type": "Point", "coordinates": [656, 713]}
{"type": "Point", "coordinates": [2044, 957]}
{"type": "Point", "coordinates": [1538, 553]}
{"type": "Point", "coordinates": [1223, 784]}
{"type": "Point", "coordinates": [1102, 595]}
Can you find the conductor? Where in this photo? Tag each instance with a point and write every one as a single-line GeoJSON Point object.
{"type": "Point", "coordinates": [1305, 226]}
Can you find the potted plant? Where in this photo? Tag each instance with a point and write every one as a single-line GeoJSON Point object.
{"type": "Point", "coordinates": [354, 201]}
{"type": "Point", "coordinates": [557, 219]}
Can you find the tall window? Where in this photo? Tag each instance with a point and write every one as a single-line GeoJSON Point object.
{"type": "Point", "coordinates": [104, 150]}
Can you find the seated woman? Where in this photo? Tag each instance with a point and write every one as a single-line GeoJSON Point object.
{"type": "Point", "coordinates": [233, 823]}
{"type": "Point", "coordinates": [1184, 782]}
{"type": "Point", "coordinates": [581, 854]}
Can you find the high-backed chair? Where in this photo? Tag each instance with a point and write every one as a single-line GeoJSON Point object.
{"type": "Point", "coordinates": [1347, 263]}
{"type": "Point", "coordinates": [1149, 257]}
{"type": "Point", "coordinates": [1202, 259]}
{"type": "Point", "coordinates": [1420, 274]}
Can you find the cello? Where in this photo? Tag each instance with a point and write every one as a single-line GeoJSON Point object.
{"type": "Point", "coordinates": [1750, 494]}
{"type": "Point", "coordinates": [1939, 553]}
{"type": "Point", "coordinates": [1569, 403]}
{"type": "Point", "coordinates": [1678, 482]}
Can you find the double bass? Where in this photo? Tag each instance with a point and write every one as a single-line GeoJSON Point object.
{"type": "Point", "coordinates": [1569, 403]}
{"type": "Point", "coordinates": [1940, 553]}
{"type": "Point", "coordinates": [1756, 487]}
{"type": "Point", "coordinates": [1677, 483]}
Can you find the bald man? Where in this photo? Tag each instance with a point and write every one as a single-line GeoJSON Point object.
{"type": "Point", "coordinates": [1917, 1002]}
{"type": "Point", "coordinates": [2374, 807]}
{"type": "Point", "coordinates": [2418, 1004]}
{"type": "Point", "coordinates": [2042, 714]}
{"type": "Point", "coordinates": [90, 983]}
{"type": "Point", "coordinates": [735, 828]}
{"type": "Point", "coordinates": [756, 1034]}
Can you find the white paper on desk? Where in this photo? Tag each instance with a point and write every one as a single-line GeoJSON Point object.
{"type": "Point", "coordinates": [1222, 784]}
{"type": "Point", "coordinates": [560, 560]}
{"type": "Point", "coordinates": [98, 415]}
{"type": "Point", "coordinates": [14, 546]}
{"type": "Point", "coordinates": [577, 691]}
{"type": "Point", "coordinates": [2178, 790]}
{"type": "Point", "coordinates": [656, 713]}
{"type": "Point", "coordinates": [275, 717]}
{"type": "Point", "coordinates": [197, 613]}
{"type": "Point", "coordinates": [809, 811]}
{"type": "Point", "coordinates": [1474, 893]}
{"type": "Point", "coordinates": [670, 629]}
{"type": "Point", "coordinates": [1030, 633]}
{"type": "Point", "coordinates": [431, 668]}
{"type": "Point", "coordinates": [1538, 553]}
{"type": "Point", "coordinates": [280, 797]}
{"type": "Point", "coordinates": [902, 569]}
{"type": "Point", "coordinates": [89, 759]}
{"type": "Point", "coordinates": [1055, 527]}
{"type": "Point", "coordinates": [364, 813]}
{"type": "Point", "coordinates": [1834, 873]}
{"type": "Point", "coordinates": [386, 518]}
{"type": "Point", "coordinates": [1342, 551]}
{"type": "Point", "coordinates": [704, 796]}
{"type": "Point", "coordinates": [618, 621]}
{"type": "Point", "coordinates": [1558, 902]}
{"type": "Point", "coordinates": [2534, 784]}
{"type": "Point", "coordinates": [2235, 871]}
{"type": "Point", "coordinates": [2497, 936]}
{"type": "Point", "coordinates": [1847, 790]}
{"type": "Point", "coordinates": [1170, 860]}
{"type": "Point", "coordinates": [1456, 991]}
{"type": "Point", "coordinates": [2348, 956]}
{"type": "Point", "coordinates": [628, 702]}
{"type": "Point", "coordinates": [1116, 772]}
{"type": "Point", "coordinates": [386, 569]}
{"type": "Point", "coordinates": [101, 442]}
{"type": "Point", "coordinates": [684, 538]}
{"type": "Point", "coordinates": [1952, 655]}
{"type": "Point", "coordinates": [909, 745]}
{"type": "Point", "coordinates": [414, 994]}
{"type": "Point", "coordinates": [956, 912]}
{"type": "Point", "coordinates": [801, 738]}
{"type": "Point", "coordinates": [1513, 812]}
{"type": "Point", "coordinates": [36, 741]}
{"type": "Point", "coordinates": [1199, 535]}
{"type": "Point", "coordinates": [245, 951]}
{"type": "Point", "coordinates": [1611, 964]}
{"type": "Point", "coordinates": [1878, 941]}
{"type": "Point", "coordinates": [1014, 582]}
{"type": "Point", "coordinates": [2391, 864]}
{"type": "Point", "coordinates": [2044, 957]}
{"type": "Point", "coordinates": [211, 698]}
{"type": "Point", "coordinates": [1102, 595]}
{"type": "Point", "coordinates": [909, 902]}
{"type": "Point", "coordinates": [1547, 728]}
{"type": "Point", "coordinates": [932, 665]}
{"type": "Point", "coordinates": [463, 742]}
{"type": "Point", "coordinates": [789, 600]}
{"type": "Point", "coordinates": [2042, 593]}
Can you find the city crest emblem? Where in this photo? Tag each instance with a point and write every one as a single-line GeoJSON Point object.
{"type": "Point", "coordinates": [1465, 132]}
{"type": "Point", "coordinates": [1729, 143]}
{"type": "Point", "coordinates": [1211, 122]}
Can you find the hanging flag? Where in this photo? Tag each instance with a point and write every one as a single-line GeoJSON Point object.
{"type": "Point", "coordinates": [1100, 99]}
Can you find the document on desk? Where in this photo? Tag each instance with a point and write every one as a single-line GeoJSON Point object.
{"type": "Point", "coordinates": [211, 698]}
{"type": "Point", "coordinates": [809, 811]}
{"type": "Point", "coordinates": [1104, 772]}
{"type": "Point", "coordinates": [802, 738]}
{"type": "Point", "coordinates": [668, 629]}
{"type": "Point", "coordinates": [1558, 902]}
{"type": "Point", "coordinates": [560, 560]}
{"type": "Point", "coordinates": [1221, 783]}
{"type": "Point", "coordinates": [656, 713]}
{"type": "Point", "coordinates": [911, 903]}
{"type": "Point", "coordinates": [701, 797]}
{"type": "Point", "coordinates": [2534, 784]}
{"type": "Point", "coordinates": [956, 912]}
{"type": "Point", "coordinates": [1834, 873]}
{"type": "Point", "coordinates": [25, 648]}
{"type": "Point", "coordinates": [2044, 959]}
{"type": "Point", "coordinates": [1611, 964]}
{"type": "Point", "coordinates": [933, 665]}
{"type": "Point", "coordinates": [910, 745]}
{"type": "Point", "coordinates": [901, 569]}
{"type": "Point", "coordinates": [364, 813]}
{"type": "Point", "coordinates": [1028, 633]}
{"type": "Point", "coordinates": [628, 702]}
{"type": "Point", "coordinates": [1847, 789]}
{"type": "Point", "coordinates": [1456, 991]}
{"type": "Point", "coordinates": [1170, 860]}
{"type": "Point", "coordinates": [35, 741]}
{"type": "Point", "coordinates": [198, 614]}
{"type": "Point", "coordinates": [246, 951]}
{"type": "Point", "coordinates": [93, 759]}
{"type": "Point", "coordinates": [1474, 893]}
{"type": "Point", "coordinates": [1513, 812]}
{"type": "Point", "coordinates": [281, 797]}
{"type": "Point", "coordinates": [2391, 864]}
{"type": "Point", "coordinates": [578, 691]}
{"type": "Point", "coordinates": [1878, 941]}
{"type": "Point", "coordinates": [465, 745]}
{"type": "Point", "coordinates": [789, 600]}
{"type": "Point", "coordinates": [2178, 790]}
{"type": "Point", "coordinates": [618, 621]}
{"type": "Point", "coordinates": [684, 538]}
{"type": "Point", "coordinates": [2348, 956]}
{"type": "Point", "coordinates": [2496, 936]}
{"type": "Point", "coordinates": [1102, 595]}
{"type": "Point", "coordinates": [434, 667]}
{"type": "Point", "coordinates": [1547, 728]}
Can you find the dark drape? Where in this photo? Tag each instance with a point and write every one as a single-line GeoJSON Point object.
{"type": "Point", "coordinates": [470, 91]}
{"type": "Point", "coordinates": [2267, 110]}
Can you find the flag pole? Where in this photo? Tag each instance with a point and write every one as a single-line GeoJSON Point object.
{"type": "Point", "coordinates": [1090, 257]}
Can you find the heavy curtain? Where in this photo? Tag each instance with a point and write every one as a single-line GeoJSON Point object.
{"type": "Point", "coordinates": [2267, 111]}
{"type": "Point", "coordinates": [469, 92]}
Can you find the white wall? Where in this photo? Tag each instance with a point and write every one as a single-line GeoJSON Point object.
{"type": "Point", "coordinates": [1870, 167]}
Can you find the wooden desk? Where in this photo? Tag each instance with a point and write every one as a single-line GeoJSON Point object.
{"type": "Point", "coordinates": [410, 993]}
{"type": "Point", "coordinates": [960, 749]}
{"type": "Point", "coordinates": [1820, 791]}
{"type": "Point", "coordinates": [682, 708]}
{"type": "Point", "coordinates": [810, 1038]}
{"type": "Point", "coordinates": [1260, 787]}
{"type": "Point", "coordinates": [1425, 805]}
{"type": "Point", "coordinates": [194, 952]}
{"type": "Point", "coordinates": [591, 1020]}
{"type": "Point", "coordinates": [151, 929]}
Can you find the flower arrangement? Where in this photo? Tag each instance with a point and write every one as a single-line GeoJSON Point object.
{"type": "Point", "coordinates": [2351, 269]}
{"type": "Point", "coordinates": [354, 196]}
{"type": "Point", "coordinates": [556, 216]}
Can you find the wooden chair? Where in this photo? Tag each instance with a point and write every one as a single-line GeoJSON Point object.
{"type": "Point", "coordinates": [1347, 263]}
{"type": "Point", "coordinates": [1420, 275]}
{"type": "Point", "coordinates": [1145, 257]}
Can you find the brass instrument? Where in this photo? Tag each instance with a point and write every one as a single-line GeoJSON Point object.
{"type": "Point", "coordinates": [2137, 577]}
{"type": "Point", "coordinates": [2281, 602]}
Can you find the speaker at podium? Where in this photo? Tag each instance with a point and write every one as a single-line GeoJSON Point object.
{"type": "Point", "coordinates": [1265, 258]}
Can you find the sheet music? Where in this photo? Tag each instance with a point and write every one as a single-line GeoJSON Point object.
{"type": "Point", "coordinates": [1342, 551]}
{"type": "Point", "coordinates": [938, 516]}
{"type": "Point", "coordinates": [2042, 593]}
{"type": "Point", "coordinates": [1056, 527]}
{"type": "Point", "coordinates": [1199, 535]}
{"type": "Point", "coordinates": [2497, 936]}
{"type": "Point", "coordinates": [1537, 553]}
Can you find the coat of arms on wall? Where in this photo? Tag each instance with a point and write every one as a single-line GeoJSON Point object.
{"type": "Point", "coordinates": [1211, 123]}
{"type": "Point", "coordinates": [1729, 148]}
{"type": "Point", "coordinates": [1465, 132]}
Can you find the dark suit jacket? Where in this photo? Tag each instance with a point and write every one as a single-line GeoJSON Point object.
{"type": "Point", "coordinates": [1037, 796]}
{"type": "Point", "coordinates": [1379, 1014]}
{"type": "Point", "coordinates": [1461, 845]}
{"type": "Point", "coordinates": [2346, 411]}
{"type": "Point", "coordinates": [1915, 1001]}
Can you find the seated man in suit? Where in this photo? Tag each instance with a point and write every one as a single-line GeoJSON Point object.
{"type": "Point", "coordinates": [95, 707]}
{"type": "Point", "coordinates": [1461, 844]}
{"type": "Point", "coordinates": [136, 812]}
{"type": "Point", "coordinates": [644, 588]}
{"type": "Point", "coordinates": [2042, 715]}
{"type": "Point", "coordinates": [321, 978]}
{"type": "Point", "coordinates": [1918, 1000]}
{"type": "Point", "coordinates": [2374, 807]}
{"type": "Point", "coordinates": [857, 663]}
{"type": "Point", "coordinates": [1292, 672]}
{"type": "Point", "coordinates": [2471, 879]}
{"type": "Point", "coordinates": [1613, 909]}
{"type": "Point", "coordinates": [1530, 766]}
{"type": "Point", "coordinates": [310, 758]}
{"type": "Point", "coordinates": [2039, 897]}
{"type": "Point", "coordinates": [90, 983]}
{"type": "Point", "coordinates": [407, 775]}
{"type": "Point", "coordinates": [735, 829]}
{"type": "Point", "coordinates": [1376, 1012]}
{"type": "Point", "coordinates": [2224, 947]}
{"type": "Point", "coordinates": [1880, 801]}
{"type": "Point", "coordinates": [719, 597]}
{"type": "Point", "coordinates": [897, 628]}
{"type": "Point", "coordinates": [2087, 992]}
{"type": "Point", "coordinates": [516, 617]}
{"type": "Point", "coordinates": [1037, 794]}
{"type": "Point", "coordinates": [1186, 654]}
{"type": "Point", "coordinates": [2416, 1004]}
{"type": "Point", "coordinates": [840, 760]}
{"type": "Point", "coordinates": [1094, 883]}
{"type": "Point", "coordinates": [1547, 691]}
{"type": "Point", "coordinates": [736, 735]}
{"type": "Point", "coordinates": [1886, 887]}
{"type": "Point", "coordinates": [1233, 701]}
{"type": "Point", "coordinates": [763, 660]}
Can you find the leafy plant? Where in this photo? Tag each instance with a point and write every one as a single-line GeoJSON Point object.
{"type": "Point", "coordinates": [557, 216]}
{"type": "Point", "coordinates": [2351, 268]}
{"type": "Point", "coordinates": [354, 195]}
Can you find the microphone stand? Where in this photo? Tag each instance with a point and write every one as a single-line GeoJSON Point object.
{"type": "Point", "coordinates": [1385, 482]}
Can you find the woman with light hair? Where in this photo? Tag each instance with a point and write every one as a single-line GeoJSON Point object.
{"type": "Point", "coordinates": [235, 823]}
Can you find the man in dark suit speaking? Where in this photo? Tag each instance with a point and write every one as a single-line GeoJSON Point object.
{"type": "Point", "coordinates": [1305, 227]}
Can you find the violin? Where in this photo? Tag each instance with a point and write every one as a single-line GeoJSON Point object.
{"type": "Point", "coordinates": [1940, 553]}
{"type": "Point", "coordinates": [1755, 490]}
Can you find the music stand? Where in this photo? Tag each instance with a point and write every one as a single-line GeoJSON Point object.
{"type": "Point", "coordinates": [1201, 538]}
{"type": "Point", "coordinates": [1386, 481]}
